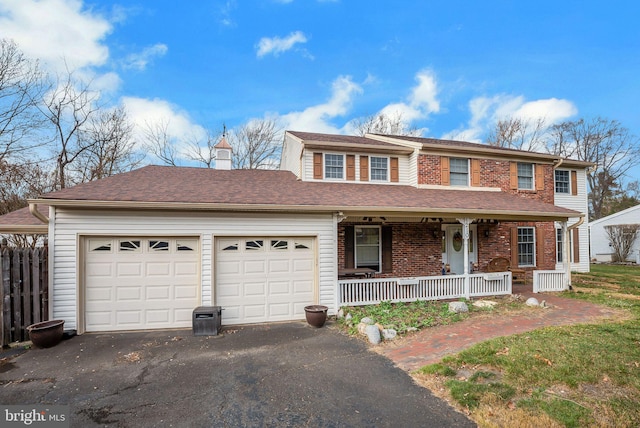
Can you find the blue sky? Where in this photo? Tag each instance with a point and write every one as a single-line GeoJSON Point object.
{"type": "Point", "coordinates": [451, 67]}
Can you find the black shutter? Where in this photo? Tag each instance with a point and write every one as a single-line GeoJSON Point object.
{"type": "Point", "coordinates": [387, 253]}
{"type": "Point", "coordinates": [349, 254]}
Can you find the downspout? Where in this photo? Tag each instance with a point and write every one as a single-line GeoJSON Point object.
{"type": "Point", "coordinates": [567, 240]}
{"type": "Point", "coordinates": [558, 163]}
{"type": "Point", "coordinates": [33, 209]}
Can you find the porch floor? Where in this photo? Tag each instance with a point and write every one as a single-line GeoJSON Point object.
{"type": "Point", "coordinates": [430, 345]}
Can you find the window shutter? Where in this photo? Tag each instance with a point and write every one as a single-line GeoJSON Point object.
{"type": "Point", "coordinates": [349, 244]}
{"type": "Point", "coordinates": [317, 166]}
{"type": "Point", "coordinates": [539, 177]}
{"type": "Point", "coordinates": [351, 167]}
{"type": "Point", "coordinates": [364, 168]}
{"type": "Point", "coordinates": [539, 247]}
{"type": "Point", "coordinates": [514, 247]}
{"type": "Point", "coordinates": [574, 183]}
{"type": "Point", "coordinates": [576, 246]}
{"type": "Point", "coordinates": [475, 172]}
{"type": "Point", "coordinates": [444, 171]}
{"type": "Point", "coordinates": [387, 253]}
{"type": "Point", "coordinates": [513, 175]}
{"type": "Point", "coordinates": [395, 177]}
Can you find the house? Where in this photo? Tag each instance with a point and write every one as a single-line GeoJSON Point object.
{"type": "Point", "coordinates": [601, 248]}
{"type": "Point", "coordinates": [346, 220]}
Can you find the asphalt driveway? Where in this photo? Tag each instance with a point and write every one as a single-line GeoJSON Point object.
{"type": "Point", "coordinates": [268, 375]}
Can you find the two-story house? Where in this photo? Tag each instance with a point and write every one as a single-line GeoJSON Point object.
{"type": "Point", "coordinates": [346, 220]}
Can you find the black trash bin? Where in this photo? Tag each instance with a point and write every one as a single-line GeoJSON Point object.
{"type": "Point", "coordinates": [207, 320]}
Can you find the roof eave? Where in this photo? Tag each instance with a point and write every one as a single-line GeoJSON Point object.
{"type": "Point", "coordinates": [337, 145]}
{"type": "Point", "coordinates": [24, 229]}
{"type": "Point", "coordinates": [514, 215]}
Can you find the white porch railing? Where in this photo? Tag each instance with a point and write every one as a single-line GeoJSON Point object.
{"type": "Point", "coordinates": [358, 292]}
{"type": "Point", "coordinates": [549, 280]}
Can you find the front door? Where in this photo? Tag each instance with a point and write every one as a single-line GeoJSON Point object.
{"type": "Point", "coordinates": [455, 245]}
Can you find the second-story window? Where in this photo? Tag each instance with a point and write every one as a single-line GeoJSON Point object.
{"type": "Point", "coordinates": [562, 182]}
{"type": "Point", "coordinates": [459, 171]}
{"type": "Point", "coordinates": [333, 166]}
{"type": "Point", "coordinates": [379, 169]}
{"type": "Point", "coordinates": [525, 176]}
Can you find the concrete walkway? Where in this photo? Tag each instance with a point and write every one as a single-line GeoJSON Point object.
{"type": "Point", "coordinates": [430, 345]}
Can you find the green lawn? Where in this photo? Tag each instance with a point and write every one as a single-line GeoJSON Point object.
{"type": "Point", "coordinates": [573, 376]}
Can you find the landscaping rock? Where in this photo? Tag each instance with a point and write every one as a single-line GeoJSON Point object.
{"type": "Point", "coordinates": [458, 307]}
{"type": "Point", "coordinates": [367, 320]}
{"type": "Point", "coordinates": [340, 313]}
{"type": "Point", "coordinates": [362, 327]}
{"type": "Point", "coordinates": [532, 301]}
{"type": "Point", "coordinates": [380, 327]}
{"type": "Point", "coordinates": [348, 317]}
{"type": "Point", "coordinates": [373, 334]}
{"type": "Point", "coordinates": [484, 303]}
{"type": "Point", "coordinates": [389, 334]}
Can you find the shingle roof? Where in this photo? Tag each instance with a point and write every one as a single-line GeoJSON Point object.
{"type": "Point", "coordinates": [22, 221]}
{"type": "Point", "coordinates": [259, 189]}
{"type": "Point", "coordinates": [344, 139]}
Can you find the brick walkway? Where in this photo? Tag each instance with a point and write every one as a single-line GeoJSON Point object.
{"type": "Point", "coordinates": [432, 344]}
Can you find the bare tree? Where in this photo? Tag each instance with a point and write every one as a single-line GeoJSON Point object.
{"type": "Point", "coordinates": [204, 151]}
{"type": "Point", "coordinates": [21, 85]}
{"type": "Point", "coordinates": [159, 142]}
{"type": "Point", "coordinates": [607, 144]}
{"type": "Point", "coordinates": [518, 133]}
{"type": "Point", "coordinates": [256, 145]}
{"type": "Point", "coordinates": [111, 148]}
{"type": "Point", "coordinates": [622, 238]}
{"type": "Point", "coordinates": [384, 124]}
{"type": "Point", "coordinates": [19, 182]}
{"type": "Point", "coordinates": [68, 108]}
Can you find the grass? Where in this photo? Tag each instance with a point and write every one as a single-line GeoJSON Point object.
{"type": "Point", "coordinates": [407, 317]}
{"type": "Point", "coordinates": [573, 376]}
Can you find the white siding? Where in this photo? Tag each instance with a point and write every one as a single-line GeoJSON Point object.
{"type": "Point", "coordinates": [600, 249]}
{"type": "Point", "coordinates": [290, 159]}
{"type": "Point", "coordinates": [404, 167]}
{"type": "Point", "coordinates": [69, 225]}
{"type": "Point", "coordinates": [577, 203]}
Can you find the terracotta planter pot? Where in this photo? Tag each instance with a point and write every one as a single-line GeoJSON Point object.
{"type": "Point", "coordinates": [316, 315]}
{"type": "Point", "coordinates": [46, 334]}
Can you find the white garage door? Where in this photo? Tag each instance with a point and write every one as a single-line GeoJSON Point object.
{"type": "Point", "coordinates": [140, 283]}
{"type": "Point", "coordinates": [264, 279]}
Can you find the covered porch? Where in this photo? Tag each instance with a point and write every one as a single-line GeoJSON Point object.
{"type": "Point", "coordinates": [404, 259]}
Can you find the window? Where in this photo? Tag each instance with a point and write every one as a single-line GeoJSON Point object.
{"type": "Point", "coordinates": [130, 246]}
{"type": "Point", "coordinates": [525, 176]}
{"type": "Point", "coordinates": [559, 244]}
{"type": "Point", "coordinates": [379, 168]}
{"type": "Point", "coordinates": [459, 172]}
{"type": "Point", "coordinates": [254, 245]}
{"type": "Point", "coordinates": [333, 166]}
{"type": "Point", "coordinates": [367, 247]}
{"type": "Point", "coordinates": [158, 245]}
{"type": "Point", "coordinates": [526, 246]}
{"type": "Point", "coordinates": [279, 245]}
{"type": "Point", "coordinates": [186, 245]}
{"type": "Point", "coordinates": [562, 182]}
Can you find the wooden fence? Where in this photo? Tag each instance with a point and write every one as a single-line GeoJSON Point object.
{"type": "Point", "coordinates": [24, 291]}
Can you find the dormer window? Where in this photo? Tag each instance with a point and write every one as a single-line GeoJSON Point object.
{"type": "Point", "coordinates": [379, 169]}
{"type": "Point", "coordinates": [334, 166]}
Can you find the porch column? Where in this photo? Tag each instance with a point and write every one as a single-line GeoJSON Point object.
{"type": "Point", "coordinates": [465, 248]}
{"type": "Point", "coordinates": [566, 264]}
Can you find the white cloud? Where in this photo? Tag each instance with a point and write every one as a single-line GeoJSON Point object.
{"type": "Point", "coordinates": [316, 118]}
{"type": "Point", "coordinates": [61, 33]}
{"type": "Point", "coordinates": [150, 112]}
{"type": "Point", "coordinates": [487, 111]}
{"type": "Point", "coordinates": [277, 45]}
{"type": "Point", "coordinates": [139, 61]}
{"type": "Point", "coordinates": [420, 103]}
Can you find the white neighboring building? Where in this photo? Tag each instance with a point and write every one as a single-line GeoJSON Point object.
{"type": "Point", "coordinates": [601, 249]}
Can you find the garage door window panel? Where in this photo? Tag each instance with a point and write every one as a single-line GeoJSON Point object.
{"type": "Point", "coordinates": [132, 246]}
{"type": "Point", "coordinates": [186, 245]}
{"type": "Point", "coordinates": [279, 245]}
{"type": "Point", "coordinates": [254, 245]}
{"type": "Point", "coordinates": [158, 245]}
